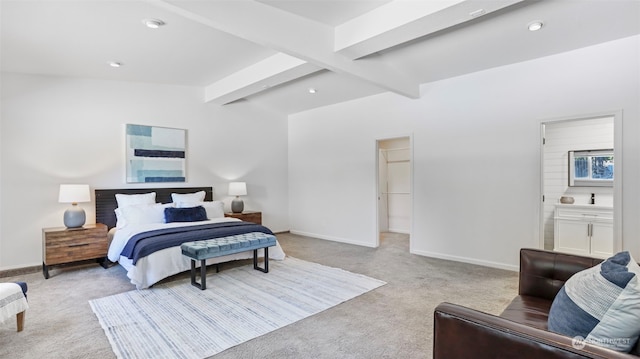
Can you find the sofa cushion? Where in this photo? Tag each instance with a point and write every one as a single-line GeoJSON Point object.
{"type": "Point", "coordinates": [528, 310]}
{"type": "Point", "coordinates": [543, 273]}
{"type": "Point", "coordinates": [601, 305]}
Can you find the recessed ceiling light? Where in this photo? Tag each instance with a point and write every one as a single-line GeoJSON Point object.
{"type": "Point", "coordinates": [312, 90]}
{"type": "Point", "coordinates": [153, 23]}
{"type": "Point", "coordinates": [115, 64]}
{"type": "Point", "coordinates": [535, 25]}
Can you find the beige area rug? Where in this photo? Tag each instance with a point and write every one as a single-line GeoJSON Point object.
{"type": "Point", "coordinates": [178, 320]}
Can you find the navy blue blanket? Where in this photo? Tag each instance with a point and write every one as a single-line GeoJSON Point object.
{"type": "Point", "coordinates": [145, 243]}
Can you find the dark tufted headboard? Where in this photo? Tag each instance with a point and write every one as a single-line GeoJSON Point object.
{"type": "Point", "coordinates": [106, 199]}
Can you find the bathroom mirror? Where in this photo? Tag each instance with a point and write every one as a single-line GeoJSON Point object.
{"type": "Point", "coordinates": [591, 168]}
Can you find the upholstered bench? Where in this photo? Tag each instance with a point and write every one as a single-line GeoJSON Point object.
{"type": "Point", "coordinates": [218, 247]}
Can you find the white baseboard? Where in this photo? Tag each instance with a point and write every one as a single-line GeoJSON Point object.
{"type": "Point", "coordinates": [484, 263]}
{"type": "Point", "coordinates": [275, 231]}
{"type": "Point", "coordinates": [329, 238]}
{"type": "Point", "coordinates": [509, 267]}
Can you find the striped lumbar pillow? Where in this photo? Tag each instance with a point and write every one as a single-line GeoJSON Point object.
{"type": "Point", "coordinates": [601, 305]}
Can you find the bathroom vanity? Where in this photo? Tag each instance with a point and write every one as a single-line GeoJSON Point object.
{"type": "Point", "coordinates": [583, 230]}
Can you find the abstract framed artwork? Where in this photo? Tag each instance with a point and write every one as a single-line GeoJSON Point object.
{"type": "Point", "coordinates": [155, 154]}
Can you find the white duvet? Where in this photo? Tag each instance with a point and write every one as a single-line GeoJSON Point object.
{"type": "Point", "coordinates": [167, 262]}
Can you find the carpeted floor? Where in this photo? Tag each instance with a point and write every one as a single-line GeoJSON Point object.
{"type": "Point", "coordinates": [393, 321]}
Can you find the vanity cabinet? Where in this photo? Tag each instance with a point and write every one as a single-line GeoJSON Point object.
{"type": "Point", "coordinates": [584, 230]}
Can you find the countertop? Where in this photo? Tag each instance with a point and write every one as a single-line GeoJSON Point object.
{"type": "Point", "coordinates": [587, 206]}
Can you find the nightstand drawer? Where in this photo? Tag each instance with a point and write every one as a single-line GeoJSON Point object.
{"type": "Point", "coordinates": [71, 237]}
{"type": "Point", "coordinates": [70, 251]}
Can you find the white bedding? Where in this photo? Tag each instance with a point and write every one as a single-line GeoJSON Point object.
{"type": "Point", "coordinates": [13, 301]}
{"type": "Point", "coordinates": [167, 262]}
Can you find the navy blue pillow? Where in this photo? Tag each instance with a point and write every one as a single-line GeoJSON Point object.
{"type": "Point", "coordinates": [192, 214]}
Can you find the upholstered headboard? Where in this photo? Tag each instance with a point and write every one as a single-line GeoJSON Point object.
{"type": "Point", "coordinates": [106, 199]}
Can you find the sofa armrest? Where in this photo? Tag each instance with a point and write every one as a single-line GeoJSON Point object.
{"type": "Point", "coordinates": [543, 273]}
{"type": "Point", "coordinates": [461, 332]}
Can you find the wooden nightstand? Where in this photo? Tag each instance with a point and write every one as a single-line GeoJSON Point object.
{"type": "Point", "coordinates": [63, 245]}
{"type": "Point", "coordinates": [247, 216]}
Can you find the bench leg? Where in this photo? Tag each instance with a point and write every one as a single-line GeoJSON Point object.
{"type": "Point", "coordinates": [203, 274]}
{"type": "Point", "coordinates": [266, 260]}
{"type": "Point", "coordinates": [20, 320]}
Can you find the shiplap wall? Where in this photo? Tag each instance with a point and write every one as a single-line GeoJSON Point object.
{"type": "Point", "coordinates": [560, 138]}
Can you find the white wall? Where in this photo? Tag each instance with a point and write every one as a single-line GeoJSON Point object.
{"type": "Point", "coordinates": [476, 154]}
{"type": "Point", "coordinates": [62, 130]}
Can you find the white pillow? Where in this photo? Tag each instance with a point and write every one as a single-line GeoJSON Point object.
{"type": "Point", "coordinates": [131, 200]}
{"type": "Point", "coordinates": [120, 222]}
{"type": "Point", "coordinates": [143, 213]}
{"type": "Point", "coordinates": [188, 197]}
{"type": "Point", "coordinates": [134, 199]}
{"type": "Point", "coordinates": [215, 209]}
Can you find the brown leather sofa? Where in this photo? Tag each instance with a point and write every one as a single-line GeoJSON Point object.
{"type": "Point", "coordinates": [521, 330]}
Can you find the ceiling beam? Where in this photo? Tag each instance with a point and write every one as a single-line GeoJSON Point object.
{"type": "Point", "coordinates": [290, 34]}
{"type": "Point", "coordinates": [270, 72]}
{"type": "Point", "coordinates": [399, 22]}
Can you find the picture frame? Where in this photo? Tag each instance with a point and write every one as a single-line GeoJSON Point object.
{"type": "Point", "coordinates": [155, 154]}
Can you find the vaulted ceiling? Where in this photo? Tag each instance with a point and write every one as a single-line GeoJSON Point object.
{"type": "Point", "coordinates": [271, 52]}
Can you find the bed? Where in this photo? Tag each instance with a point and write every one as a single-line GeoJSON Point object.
{"type": "Point", "coordinates": [148, 269]}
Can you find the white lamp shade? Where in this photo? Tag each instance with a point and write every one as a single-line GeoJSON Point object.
{"type": "Point", "coordinates": [237, 189]}
{"type": "Point", "coordinates": [74, 193]}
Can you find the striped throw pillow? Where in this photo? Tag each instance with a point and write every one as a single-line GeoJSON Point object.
{"type": "Point", "coordinates": [601, 305]}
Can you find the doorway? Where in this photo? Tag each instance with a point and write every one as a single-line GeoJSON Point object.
{"type": "Point", "coordinates": [394, 189]}
{"type": "Point", "coordinates": [560, 139]}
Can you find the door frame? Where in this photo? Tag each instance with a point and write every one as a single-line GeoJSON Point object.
{"type": "Point", "coordinates": [377, 184]}
{"type": "Point", "coordinates": [617, 179]}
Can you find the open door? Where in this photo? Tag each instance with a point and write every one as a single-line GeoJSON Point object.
{"type": "Point", "coordinates": [394, 194]}
{"type": "Point", "coordinates": [590, 197]}
{"type": "Point", "coordinates": [383, 200]}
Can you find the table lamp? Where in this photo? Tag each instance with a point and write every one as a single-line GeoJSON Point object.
{"type": "Point", "coordinates": [237, 189]}
{"type": "Point", "coordinates": [74, 217]}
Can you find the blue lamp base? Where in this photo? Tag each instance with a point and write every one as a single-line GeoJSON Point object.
{"type": "Point", "coordinates": [74, 217]}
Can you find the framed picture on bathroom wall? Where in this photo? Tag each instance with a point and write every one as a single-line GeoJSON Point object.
{"type": "Point", "coordinates": [155, 154]}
